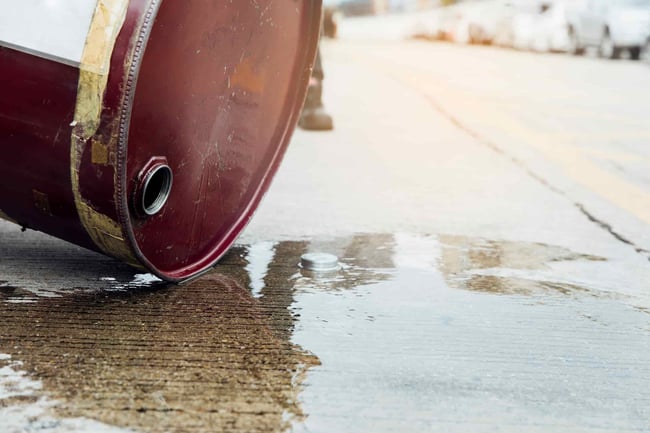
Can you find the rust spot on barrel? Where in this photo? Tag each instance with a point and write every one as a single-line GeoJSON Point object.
{"type": "Point", "coordinates": [246, 78]}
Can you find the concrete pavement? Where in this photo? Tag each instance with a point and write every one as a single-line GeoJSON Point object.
{"type": "Point", "coordinates": [488, 281]}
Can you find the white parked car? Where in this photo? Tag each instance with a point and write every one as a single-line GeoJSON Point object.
{"type": "Point", "coordinates": [523, 30]}
{"type": "Point", "coordinates": [610, 25]}
{"type": "Point", "coordinates": [517, 28]}
{"type": "Point", "coordinates": [485, 21]}
{"type": "Point", "coordinates": [552, 28]}
{"type": "Point", "coordinates": [454, 21]}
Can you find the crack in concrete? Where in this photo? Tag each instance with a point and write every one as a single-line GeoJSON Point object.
{"type": "Point", "coordinates": [519, 163]}
{"type": "Point", "coordinates": [606, 226]}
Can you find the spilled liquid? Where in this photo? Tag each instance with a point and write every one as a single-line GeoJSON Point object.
{"type": "Point", "coordinates": [507, 267]}
{"type": "Point", "coordinates": [412, 333]}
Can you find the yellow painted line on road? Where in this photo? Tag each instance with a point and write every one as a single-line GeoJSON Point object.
{"type": "Point", "coordinates": [618, 156]}
{"type": "Point", "coordinates": [575, 163]}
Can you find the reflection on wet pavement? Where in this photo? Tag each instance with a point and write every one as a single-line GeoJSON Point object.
{"type": "Point", "coordinates": [34, 266]}
{"type": "Point", "coordinates": [386, 343]}
{"type": "Point", "coordinates": [416, 354]}
{"type": "Point", "coordinates": [475, 264]}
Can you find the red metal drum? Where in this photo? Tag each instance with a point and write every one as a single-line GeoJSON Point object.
{"type": "Point", "coordinates": [156, 143]}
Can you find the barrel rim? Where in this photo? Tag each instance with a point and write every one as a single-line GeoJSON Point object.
{"type": "Point", "coordinates": [302, 72]}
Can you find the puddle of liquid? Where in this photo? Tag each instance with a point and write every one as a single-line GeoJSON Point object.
{"type": "Point", "coordinates": [413, 333]}
{"type": "Point", "coordinates": [509, 268]}
{"type": "Point", "coordinates": [202, 357]}
{"type": "Point", "coordinates": [34, 266]}
{"type": "Point", "coordinates": [503, 353]}
{"type": "Point", "coordinates": [403, 349]}
{"type": "Point", "coordinates": [24, 407]}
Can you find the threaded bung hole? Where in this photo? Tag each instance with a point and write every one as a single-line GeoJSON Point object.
{"type": "Point", "coordinates": [156, 190]}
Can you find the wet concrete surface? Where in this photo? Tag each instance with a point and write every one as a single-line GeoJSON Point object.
{"type": "Point", "coordinates": [482, 287]}
{"type": "Point", "coordinates": [468, 335]}
{"type": "Point", "coordinates": [413, 332]}
{"type": "Point", "coordinates": [205, 356]}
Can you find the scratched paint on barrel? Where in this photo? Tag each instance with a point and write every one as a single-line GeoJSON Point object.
{"type": "Point", "coordinates": [107, 20]}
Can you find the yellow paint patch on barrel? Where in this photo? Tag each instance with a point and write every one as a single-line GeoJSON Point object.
{"type": "Point", "coordinates": [95, 63]}
{"type": "Point", "coordinates": [106, 234]}
{"type": "Point", "coordinates": [99, 153]}
{"type": "Point", "coordinates": [106, 24]}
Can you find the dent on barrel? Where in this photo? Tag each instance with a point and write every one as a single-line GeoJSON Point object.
{"type": "Point", "coordinates": [107, 21]}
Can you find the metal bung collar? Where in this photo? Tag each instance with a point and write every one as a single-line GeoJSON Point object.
{"type": "Point", "coordinates": [153, 187]}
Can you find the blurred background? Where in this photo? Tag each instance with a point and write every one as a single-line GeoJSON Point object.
{"type": "Point", "coordinates": [419, 90]}
{"type": "Point", "coordinates": [613, 28]}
